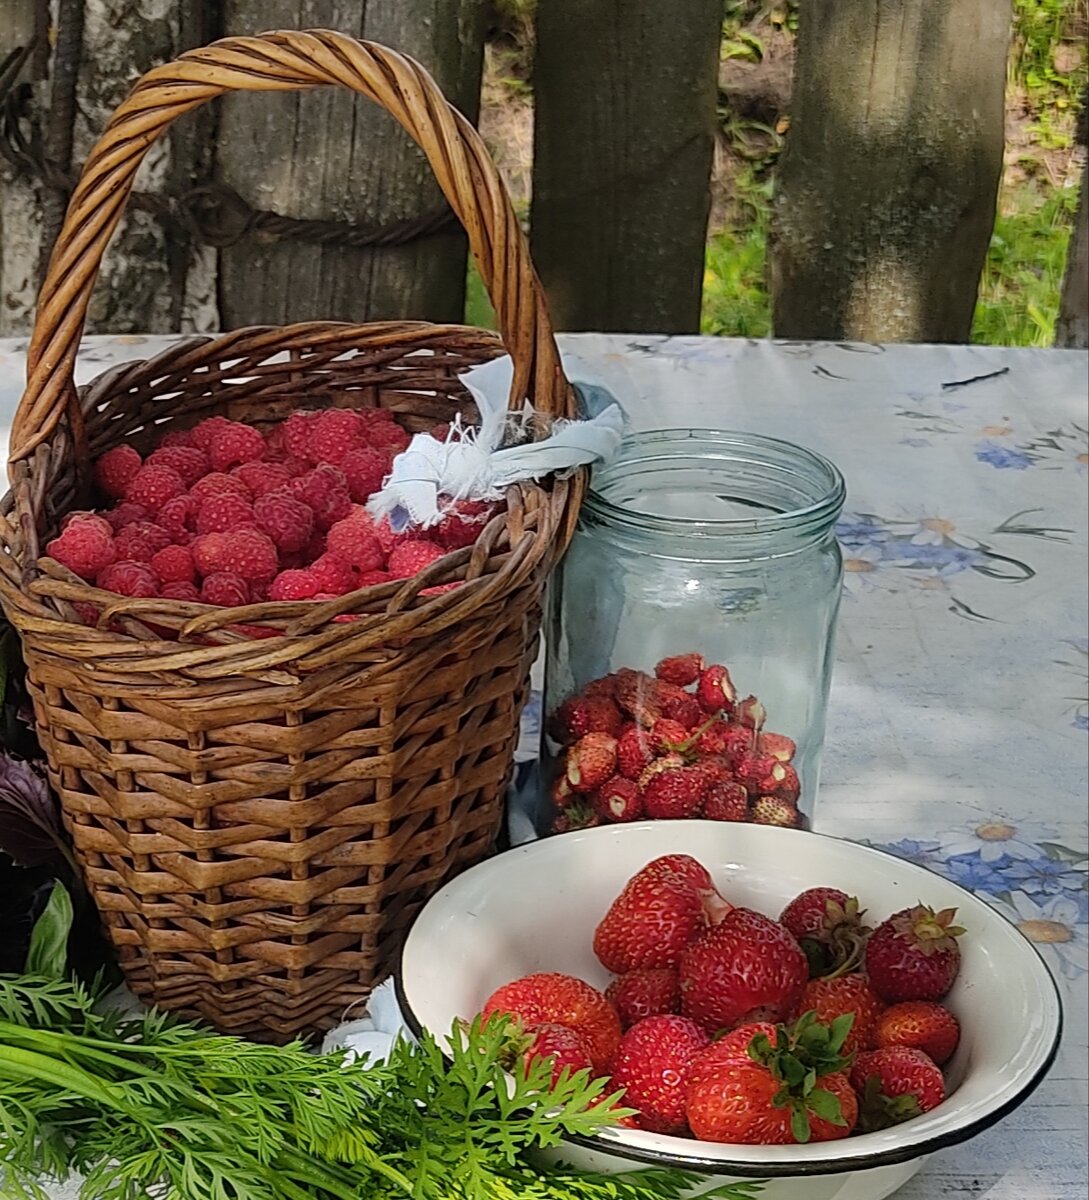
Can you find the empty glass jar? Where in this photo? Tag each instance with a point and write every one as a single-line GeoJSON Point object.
{"type": "Point", "coordinates": [693, 543]}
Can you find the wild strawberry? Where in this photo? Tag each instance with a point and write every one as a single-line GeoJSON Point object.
{"type": "Point", "coordinates": [778, 745]}
{"type": "Point", "coordinates": [914, 955]}
{"type": "Point", "coordinates": [666, 735]}
{"type": "Point", "coordinates": [789, 786]}
{"type": "Point", "coordinates": [619, 799]}
{"type": "Point", "coordinates": [555, 999]}
{"type": "Point", "coordinates": [758, 772]}
{"type": "Point", "coordinates": [218, 514]}
{"type": "Point", "coordinates": [649, 992]}
{"type": "Point", "coordinates": [746, 964]}
{"type": "Point", "coordinates": [141, 540]}
{"type": "Point", "coordinates": [651, 1065]}
{"type": "Point", "coordinates": [919, 1025]}
{"type": "Point", "coordinates": [260, 478]}
{"type": "Point", "coordinates": [682, 710]}
{"type": "Point", "coordinates": [668, 762]}
{"type": "Point", "coordinates": [410, 558]}
{"type": "Point", "coordinates": [216, 483]}
{"type": "Point", "coordinates": [773, 810]}
{"type": "Point", "coordinates": [681, 669]}
{"type": "Point", "coordinates": [637, 695]}
{"type": "Point", "coordinates": [675, 794]}
{"type": "Point", "coordinates": [580, 715]}
{"type": "Point", "coordinates": [828, 926]}
{"type": "Point", "coordinates": [771, 1085]}
{"type": "Point", "coordinates": [561, 792]}
{"type": "Point", "coordinates": [715, 690]}
{"type": "Point", "coordinates": [189, 462]}
{"type": "Point", "coordinates": [233, 444]}
{"type": "Point", "coordinates": [174, 564]}
{"type": "Point", "coordinates": [564, 1049]}
{"type": "Point", "coordinates": [128, 579]}
{"type": "Point", "coordinates": [250, 554]}
{"type": "Point", "coordinates": [739, 741]}
{"type": "Point", "coordinates": [712, 740]}
{"type": "Point", "coordinates": [84, 548]}
{"type": "Point", "coordinates": [726, 801]}
{"type": "Point", "coordinates": [576, 815]}
{"type": "Point", "coordinates": [894, 1085]}
{"type": "Point", "coordinates": [591, 761]}
{"type": "Point", "coordinates": [633, 754]}
{"type": "Point", "coordinates": [116, 469]}
{"type": "Point", "coordinates": [750, 713]}
{"type": "Point", "coordinates": [293, 585]}
{"type": "Point", "coordinates": [828, 999]}
{"type": "Point", "coordinates": [154, 486]}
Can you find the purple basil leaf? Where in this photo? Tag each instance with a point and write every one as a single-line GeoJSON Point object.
{"type": "Point", "coordinates": [31, 833]}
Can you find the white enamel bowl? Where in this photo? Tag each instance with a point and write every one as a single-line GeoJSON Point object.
{"type": "Point", "coordinates": [535, 908]}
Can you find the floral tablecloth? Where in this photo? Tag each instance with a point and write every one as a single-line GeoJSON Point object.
{"type": "Point", "coordinates": [958, 730]}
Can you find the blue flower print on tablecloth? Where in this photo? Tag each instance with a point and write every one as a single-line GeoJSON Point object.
{"type": "Point", "coordinates": [1079, 667]}
{"type": "Point", "coordinates": [1052, 450]}
{"type": "Point", "coordinates": [1005, 458]}
{"type": "Point", "coordinates": [978, 874]}
{"type": "Point", "coordinates": [922, 853]}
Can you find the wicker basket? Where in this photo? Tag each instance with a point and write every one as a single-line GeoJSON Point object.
{"type": "Point", "coordinates": [258, 820]}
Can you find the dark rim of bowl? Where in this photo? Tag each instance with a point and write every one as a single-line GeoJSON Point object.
{"type": "Point", "coordinates": [830, 1166]}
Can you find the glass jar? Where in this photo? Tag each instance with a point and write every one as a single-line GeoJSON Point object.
{"type": "Point", "coordinates": [706, 543]}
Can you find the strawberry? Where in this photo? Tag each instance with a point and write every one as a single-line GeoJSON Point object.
{"type": "Point", "coordinates": [675, 794]}
{"type": "Point", "coordinates": [591, 761]}
{"type": "Point", "coordinates": [831, 998]}
{"type": "Point", "coordinates": [750, 713]}
{"type": "Point", "coordinates": [681, 669]}
{"type": "Point", "coordinates": [649, 992]}
{"type": "Point", "coordinates": [666, 735]}
{"type": "Point", "coordinates": [769, 1084]}
{"type": "Point", "coordinates": [554, 999]}
{"type": "Point", "coordinates": [760, 773]}
{"type": "Point", "coordinates": [651, 1065]}
{"type": "Point", "coordinates": [920, 1025]}
{"type": "Point", "coordinates": [829, 929]}
{"type": "Point", "coordinates": [746, 964]}
{"type": "Point", "coordinates": [778, 745]}
{"type": "Point", "coordinates": [577, 815]}
{"type": "Point", "coordinates": [726, 801]}
{"type": "Point", "coordinates": [668, 762]}
{"type": "Point", "coordinates": [619, 799]}
{"type": "Point", "coordinates": [580, 715]}
{"type": "Point", "coordinates": [637, 695]}
{"type": "Point", "coordinates": [633, 753]}
{"type": "Point", "coordinates": [788, 786]}
{"type": "Point", "coordinates": [738, 741]}
{"type": "Point", "coordinates": [773, 810]}
{"type": "Point", "coordinates": [566, 1049]}
{"type": "Point", "coordinates": [715, 690]}
{"type": "Point", "coordinates": [894, 1085]}
{"type": "Point", "coordinates": [682, 709]}
{"type": "Point", "coordinates": [660, 910]}
{"type": "Point", "coordinates": [914, 955]}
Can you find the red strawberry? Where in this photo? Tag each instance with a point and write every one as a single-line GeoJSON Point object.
{"type": "Point", "coordinates": [894, 1085]}
{"type": "Point", "coordinates": [668, 762]}
{"type": "Point", "coordinates": [648, 992]}
{"type": "Point", "coordinates": [914, 955]}
{"type": "Point", "coordinates": [554, 999]}
{"type": "Point", "coordinates": [681, 669]}
{"type": "Point", "coordinates": [747, 964]}
{"type": "Point", "coordinates": [814, 912]}
{"type": "Point", "coordinates": [675, 794]}
{"type": "Point", "coordinates": [619, 799]}
{"type": "Point", "coordinates": [760, 773]}
{"type": "Point", "coordinates": [580, 715]}
{"type": "Point", "coordinates": [831, 998]}
{"type": "Point", "coordinates": [773, 810]}
{"type": "Point", "coordinates": [591, 761]}
{"type": "Point", "coordinates": [666, 735]}
{"type": "Point", "coordinates": [778, 745]}
{"type": "Point", "coordinates": [738, 741]}
{"type": "Point", "coordinates": [726, 801]}
{"type": "Point", "coordinates": [651, 1065]}
{"type": "Point", "coordinates": [633, 753]}
{"type": "Point", "coordinates": [768, 1085]}
{"type": "Point", "coordinates": [566, 1049]}
{"type": "Point", "coordinates": [576, 815]}
{"type": "Point", "coordinates": [919, 1025]}
{"type": "Point", "coordinates": [683, 710]}
{"type": "Point", "coordinates": [637, 695]}
{"type": "Point", "coordinates": [715, 690]}
{"type": "Point", "coordinates": [660, 910]}
{"type": "Point", "coordinates": [789, 787]}
{"type": "Point", "coordinates": [750, 712]}
{"type": "Point", "coordinates": [829, 929]}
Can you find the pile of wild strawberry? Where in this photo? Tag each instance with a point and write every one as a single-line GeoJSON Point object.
{"type": "Point", "coordinates": [641, 746]}
{"type": "Point", "coordinates": [728, 1026]}
{"type": "Point", "coordinates": [228, 515]}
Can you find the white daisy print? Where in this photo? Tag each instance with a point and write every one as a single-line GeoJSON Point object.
{"type": "Point", "coordinates": [996, 836]}
{"type": "Point", "coordinates": [1057, 928]}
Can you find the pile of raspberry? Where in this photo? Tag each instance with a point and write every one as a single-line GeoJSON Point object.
{"type": "Point", "coordinates": [675, 744]}
{"type": "Point", "coordinates": [227, 515]}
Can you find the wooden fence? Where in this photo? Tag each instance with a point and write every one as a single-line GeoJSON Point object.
{"type": "Point", "coordinates": [270, 209]}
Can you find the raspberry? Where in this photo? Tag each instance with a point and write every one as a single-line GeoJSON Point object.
{"type": "Point", "coordinates": [207, 552]}
{"type": "Point", "coordinates": [441, 433]}
{"type": "Point", "coordinates": [373, 578]}
{"type": "Point", "coordinates": [296, 468]}
{"type": "Point", "coordinates": [86, 521]}
{"type": "Point", "coordinates": [275, 450]}
{"type": "Point", "coordinates": [225, 589]}
{"type": "Point", "coordinates": [262, 477]}
{"type": "Point", "coordinates": [126, 513]}
{"type": "Point", "coordinates": [462, 524]}
{"type": "Point", "coordinates": [411, 558]}
{"type": "Point", "coordinates": [389, 540]}
{"type": "Point", "coordinates": [387, 435]}
{"type": "Point", "coordinates": [365, 470]}
{"type": "Point", "coordinates": [333, 574]}
{"type": "Point", "coordinates": [353, 541]}
{"type": "Point", "coordinates": [176, 515]}
{"type": "Point", "coordinates": [154, 486]}
{"type": "Point", "coordinates": [325, 490]}
{"type": "Point", "coordinates": [84, 548]}
{"type": "Point", "coordinates": [129, 579]}
{"type": "Point", "coordinates": [228, 447]}
{"type": "Point", "coordinates": [294, 585]}
{"type": "Point", "coordinates": [216, 483]}
{"type": "Point", "coordinates": [217, 514]}
{"type": "Point", "coordinates": [87, 613]}
{"type": "Point", "coordinates": [201, 435]}
{"type": "Point", "coordinates": [174, 564]}
{"type": "Point", "coordinates": [250, 554]}
{"type": "Point", "coordinates": [116, 469]}
{"type": "Point", "coordinates": [140, 540]}
{"type": "Point", "coordinates": [334, 433]}
{"type": "Point", "coordinates": [726, 801]}
{"type": "Point", "coordinates": [285, 518]}
{"type": "Point", "coordinates": [296, 432]}
{"type": "Point", "coordinates": [177, 437]}
{"type": "Point", "coordinates": [179, 589]}
{"type": "Point", "coordinates": [188, 461]}
{"type": "Point", "coordinates": [681, 669]}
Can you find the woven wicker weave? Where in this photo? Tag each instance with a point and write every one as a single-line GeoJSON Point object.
{"type": "Point", "coordinates": [259, 819]}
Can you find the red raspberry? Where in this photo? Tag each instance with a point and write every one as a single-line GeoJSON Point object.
{"type": "Point", "coordinates": [154, 486]}
{"type": "Point", "coordinates": [116, 469]}
{"type": "Point", "coordinates": [201, 434]}
{"type": "Point", "coordinates": [295, 433]}
{"type": "Point", "coordinates": [129, 579]}
{"type": "Point", "coordinates": [365, 470]}
{"type": "Point", "coordinates": [179, 589]}
{"type": "Point", "coordinates": [217, 514]}
{"type": "Point", "coordinates": [334, 433]}
{"type": "Point", "coordinates": [177, 437]}
{"type": "Point", "coordinates": [333, 574]}
{"type": "Point", "coordinates": [681, 669]}
{"type": "Point", "coordinates": [441, 433]}
{"type": "Point", "coordinates": [87, 613]}
{"type": "Point", "coordinates": [225, 589]}
{"type": "Point", "coordinates": [84, 548]}
{"type": "Point", "coordinates": [174, 564]}
{"type": "Point", "coordinates": [176, 516]}
{"type": "Point", "coordinates": [188, 461]}
{"type": "Point", "coordinates": [275, 450]}
{"type": "Point", "coordinates": [410, 558]}
{"type": "Point", "coordinates": [296, 468]}
{"type": "Point", "coordinates": [294, 585]}
{"type": "Point", "coordinates": [250, 554]}
{"type": "Point", "coordinates": [216, 484]}
{"type": "Point", "coordinates": [325, 490]}
{"type": "Point", "coordinates": [263, 477]}
{"type": "Point", "coordinates": [285, 518]}
{"type": "Point", "coordinates": [353, 541]}
{"type": "Point", "coordinates": [239, 443]}
{"type": "Point", "coordinates": [87, 520]}
{"type": "Point", "coordinates": [126, 513]}
{"type": "Point", "coordinates": [387, 435]}
{"type": "Point", "coordinates": [140, 540]}
{"type": "Point", "coordinates": [207, 552]}
{"type": "Point", "coordinates": [463, 523]}
{"type": "Point", "coordinates": [374, 578]}
{"type": "Point", "coordinates": [726, 801]}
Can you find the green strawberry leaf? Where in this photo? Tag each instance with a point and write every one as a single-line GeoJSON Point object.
{"type": "Point", "coordinates": [799, 1126]}
{"type": "Point", "coordinates": [826, 1105]}
{"type": "Point", "coordinates": [840, 1031]}
{"type": "Point", "coordinates": [880, 1111]}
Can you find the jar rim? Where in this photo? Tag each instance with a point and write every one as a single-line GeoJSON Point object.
{"type": "Point", "coordinates": [694, 443]}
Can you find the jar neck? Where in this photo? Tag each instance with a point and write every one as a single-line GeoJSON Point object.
{"type": "Point", "coordinates": [699, 493]}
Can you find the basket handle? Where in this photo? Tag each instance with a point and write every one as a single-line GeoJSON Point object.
{"type": "Point", "coordinates": [286, 60]}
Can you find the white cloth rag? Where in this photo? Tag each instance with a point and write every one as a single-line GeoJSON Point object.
{"type": "Point", "coordinates": [373, 1035]}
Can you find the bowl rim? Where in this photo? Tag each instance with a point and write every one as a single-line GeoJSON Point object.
{"type": "Point", "coordinates": [833, 1164]}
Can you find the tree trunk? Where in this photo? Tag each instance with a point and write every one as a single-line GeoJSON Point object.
{"type": "Point", "coordinates": [889, 178]}
{"type": "Point", "coordinates": [1072, 330]}
{"type": "Point", "coordinates": [326, 154]}
{"type": "Point", "coordinates": [623, 140]}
